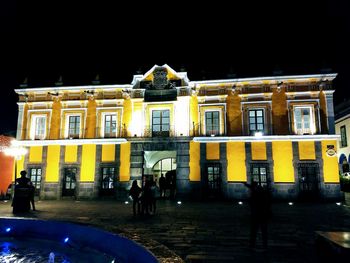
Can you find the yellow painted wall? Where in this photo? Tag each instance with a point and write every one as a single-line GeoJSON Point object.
{"type": "Point", "coordinates": [194, 115]}
{"type": "Point", "coordinates": [234, 114]}
{"type": "Point", "coordinates": [36, 154]}
{"type": "Point", "coordinates": [108, 153]}
{"type": "Point", "coordinates": [307, 150]}
{"type": "Point", "coordinates": [323, 113]}
{"type": "Point", "coordinates": [124, 171]}
{"type": "Point", "coordinates": [258, 151]}
{"type": "Point", "coordinates": [195, 169]}
{"type": "Point", "coordinates": [236, 168]}
{"type": "Point", "coordinates": [282, 154]}
{"type": "Point", "coordinates": [330, 164]}
{"type": "Point", "coordinates": [91, 119]}
{"type": "Point", "coordinates": [127, 114]}
{"type": "Point", "coordinates": [279, 112]}
{"type": "Point", "coordinates": [53, 161]}
{"type": "Point", "coordinates": [71, 153]}
{"type": "Point", "coordinates": [20, 167]}
{"type": "Point", "coordinates": [25, 122]}
{"type": "Point", "coordinates": [213, 151]}
{"type": "Point", "coordinates": [88, 161]}
{"type": "Point", "coordinates": [55, 120]}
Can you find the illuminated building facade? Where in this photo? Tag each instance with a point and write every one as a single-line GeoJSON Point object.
{"type": "Point", "coordinates": [342, 128]}
{"type": "Point", "coordinates": [91, 141]}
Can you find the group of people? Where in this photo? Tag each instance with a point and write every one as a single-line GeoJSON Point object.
{"type": "Point", "coordinates": [24, 194]}
{"type": "Point", "coordinates": [144, 199]}
{"type": "Point", "coordinates": [167, 183]}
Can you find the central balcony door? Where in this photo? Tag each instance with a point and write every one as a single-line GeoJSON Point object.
{"type": "Point", "coordinates": [160, 123]}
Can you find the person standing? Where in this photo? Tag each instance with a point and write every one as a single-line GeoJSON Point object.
{"type": "Point", "coordinates": [162, 186]}
{"type": "Point", "coordinates": [32, 194]}
{"type": "Point", "coordinates": [135, 192]}
{"type": "Point", "coordinates": [260, 207]}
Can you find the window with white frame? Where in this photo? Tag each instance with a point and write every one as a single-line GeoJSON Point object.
{"type": "Point", "coordinates": [74, 126]}
{"type": "Point", "coordinates": [160, 123]}
{"type": "Point", "coordinates": [303, 120]}
{"type": "Point", "coordinates": [256, 121]}
{"type": "Point", "coordinates": [109, 125]}
{"type": "Point", "coordinates": [212, 122]}
{"type": "Point", "coordinates": [38, 127]}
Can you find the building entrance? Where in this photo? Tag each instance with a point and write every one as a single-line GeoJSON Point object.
{"type": "Point", "coordinates": [158, 163]}
{"type": "Point", "coordinates": [308, 181]}
{"type": "Point", "coordinates": [69, 181]}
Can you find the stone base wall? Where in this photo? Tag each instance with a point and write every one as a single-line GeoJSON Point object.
{"type": "Point", "coordinates": [50, 191]}
{"type": "Point", "coordinates": [85, 191]}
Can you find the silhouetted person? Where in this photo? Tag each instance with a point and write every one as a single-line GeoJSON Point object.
{"type": "Point", "coordinates": [21, 198]}
{"type": "Point", "coordinates": [162, 186]}
{"type": "Point", "coordinates": [23, 181]}
{"type": "Point", "coordinates": [260, 212]}
{"type": "Point", "coordinates": [32, 194]}
{"type": "Point", "coordinates": [153, 200]}
{"type": "Point", "coordinates": [135, 192]}
{"type": "Point", "coordinates": [146, 198]}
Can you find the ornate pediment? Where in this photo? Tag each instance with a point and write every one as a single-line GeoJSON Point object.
{"type": "Point", "coordinates": [160, 83]}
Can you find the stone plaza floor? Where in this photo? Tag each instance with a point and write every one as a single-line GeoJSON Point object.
{"type": "Point", "coordinates": [204, 232]}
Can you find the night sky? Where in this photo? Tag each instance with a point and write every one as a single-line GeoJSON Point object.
{"type": "Point", "coordinates": [208, 40]}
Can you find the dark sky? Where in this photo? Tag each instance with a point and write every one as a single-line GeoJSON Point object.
{"type": "Point", "coordinates": [208, 39]}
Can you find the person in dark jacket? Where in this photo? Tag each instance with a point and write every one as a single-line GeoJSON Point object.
{"type": "Point", "coordinates": [260, 207]}
{"type": "Point", "coordinates": [135, 192]}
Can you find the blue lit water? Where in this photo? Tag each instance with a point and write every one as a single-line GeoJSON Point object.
{"type": "Point", "coordinates": [28, 250]}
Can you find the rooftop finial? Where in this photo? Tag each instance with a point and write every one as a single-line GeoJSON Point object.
{"type": "Point", "coordinates": [96, 81]}
{"type": "Point", "coordinates": [59, 82]}
{"type": "Point", "coordinates": [24, 84]}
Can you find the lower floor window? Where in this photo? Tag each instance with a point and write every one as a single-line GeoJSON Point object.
{"type": "Point", "coordinates": [108, 175]}
{"type": "Point", "coordinates": [35, 177]}
{"type": "Point", "coordinates": [259, 173]}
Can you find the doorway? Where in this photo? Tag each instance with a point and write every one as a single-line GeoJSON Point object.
{"type": "Point", "coordinates": [69, 181]}
{"type": "Point", "coordinates": [308, 174]}
{"type": "Point", "coordinates": [213, 180]}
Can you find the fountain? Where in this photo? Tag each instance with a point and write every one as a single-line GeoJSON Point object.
{"type": "Point", "coordinates": [31, 240]}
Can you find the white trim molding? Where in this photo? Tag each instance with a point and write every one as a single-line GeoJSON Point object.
{"type": "Point", "coordinates": [268, 138]}
{"type": "Point", "coordinates": [71, 142]}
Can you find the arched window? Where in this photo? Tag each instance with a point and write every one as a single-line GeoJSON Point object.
{"type": "Point", "coordinates": [164, 165]}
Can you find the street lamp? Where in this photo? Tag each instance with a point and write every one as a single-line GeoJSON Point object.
{"type": "Point", "coordinates": [17, 152]}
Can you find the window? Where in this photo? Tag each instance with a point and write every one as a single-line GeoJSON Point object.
{"type": "Point", "coordinates": [110, 125]}
{"type": "Point", "coordinates": [69, 181]}
{"type": "Point", "coordinates": [160, 122]}
{"type": "Point", "coordinates": [163, 166]}
{"type": "Point", "coordinates": [38, 127]}
{"type": "Point", "coordinates": [256, 121]}
{"type": "Point", "coordinates": [303, 120]}
{"type": "Point", "coordinates": [108, 177]}
{"type": "Point", "coordinates": [308, 174]}
{"type": "Point", "coordinates": [259, 174]}
{"type": "Point", "coordinates": [343, 139]}
{"type": "Point", "coordinates": [35, 177]}
{"type": "Point", "coordinates": [74, 127]}
{"type": "Point", "coordinates": [212, 122]}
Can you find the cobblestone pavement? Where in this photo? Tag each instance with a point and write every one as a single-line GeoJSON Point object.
{"type": "Point", "coordinates": [208, 232]}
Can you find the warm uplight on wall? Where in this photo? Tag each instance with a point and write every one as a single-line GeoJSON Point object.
{"type": "Point", "coordinates": [258, 134]}
{"type": "Point", "coordinates": [279, 86]}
